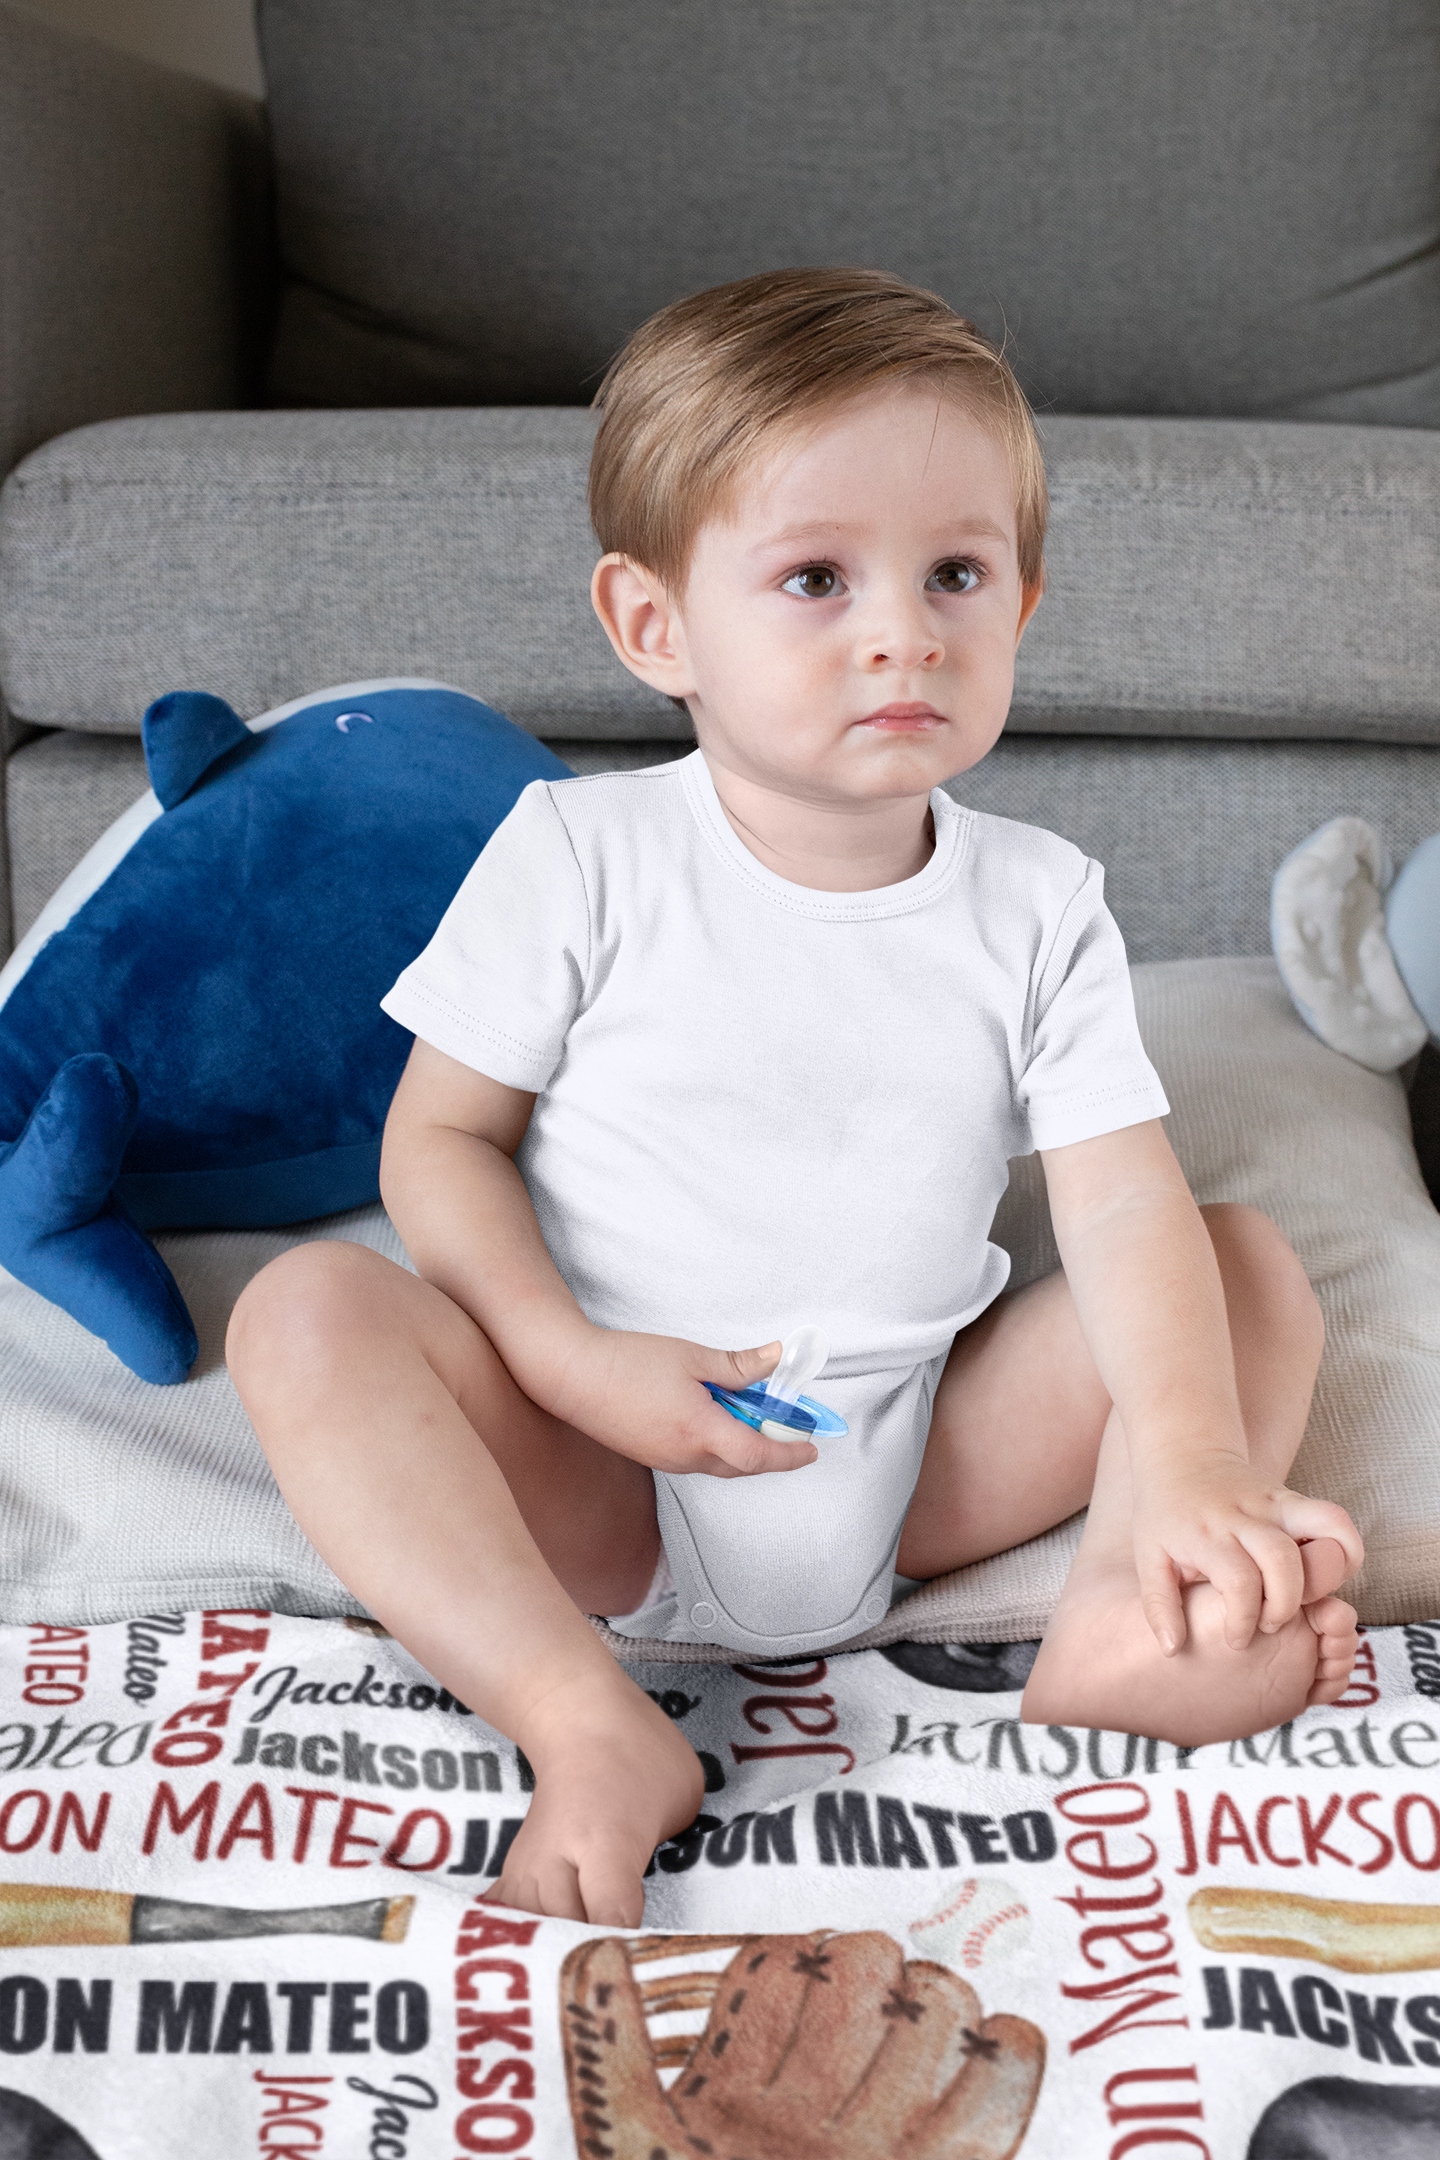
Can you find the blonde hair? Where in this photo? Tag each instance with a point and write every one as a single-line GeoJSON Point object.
{"type": "Point", "coordinates": [705, 385]}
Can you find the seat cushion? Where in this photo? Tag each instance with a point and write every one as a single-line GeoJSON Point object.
{"type": "Point", "coordinates": [1224, 209]}
{"type": "Point", "coordinates": [120, 1497]}
{"type": "Point", "coordinates": [1192, 567]}
{"type": "Point", "coordinates": [1189, 832]}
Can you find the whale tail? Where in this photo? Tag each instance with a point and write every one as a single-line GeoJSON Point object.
{"type": "Point", "coordinates": [63, 1233]}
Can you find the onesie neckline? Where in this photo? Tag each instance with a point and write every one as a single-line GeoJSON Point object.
{"type": "Point", "coordinates": [952, 823]}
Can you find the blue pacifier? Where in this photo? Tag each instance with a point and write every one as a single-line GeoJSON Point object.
{"type": "Point", "coordinates": [776, 1406]}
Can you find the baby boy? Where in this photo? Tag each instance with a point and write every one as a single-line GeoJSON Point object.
{"type": "Point", "coordinates": [747, 1040]}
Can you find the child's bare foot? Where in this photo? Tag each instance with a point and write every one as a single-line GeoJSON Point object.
{"type": "Point", "coordinates": [612, 1778]}
{"type": "Point", "coordinates": [1100, 1664]}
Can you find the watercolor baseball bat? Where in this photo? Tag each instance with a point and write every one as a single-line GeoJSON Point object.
{"type": "Point", "coordinates": [1339, 1932]}
{"type": "Point", "coordinates": [37, 1915]}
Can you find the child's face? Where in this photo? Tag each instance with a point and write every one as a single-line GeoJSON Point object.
{"type": "Point", "coordinates": [849, 632]}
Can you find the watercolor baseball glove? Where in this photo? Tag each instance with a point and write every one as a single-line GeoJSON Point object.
{"type": "Point", "coordinates": [817, 2047]}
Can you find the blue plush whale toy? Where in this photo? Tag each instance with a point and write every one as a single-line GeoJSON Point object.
{"type": "Point", "coordinates": [191, 1033]}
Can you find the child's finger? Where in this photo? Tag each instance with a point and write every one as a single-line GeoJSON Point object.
{"type": "Point", "coordinates": [1302, 1517]}
{"type": "Point", "coordinates": [1242, 1587]}
{"type": "Point", "coordinates": [1282, 1574]}
{"type": "Point", "coordinates": [749, 1452]}
{"type": "Point", "coordinates": [738, 1368]}
{"type": "Point", "coordinates": [1161, 1603]}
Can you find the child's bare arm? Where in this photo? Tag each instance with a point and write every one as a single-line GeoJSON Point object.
{"type": "Point", "coordinates": [461, 1207]}
{"type": "Point", "coordinates": [1142, 1272]}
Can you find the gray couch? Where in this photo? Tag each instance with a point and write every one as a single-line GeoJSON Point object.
{"type": "Point", "coordinates": [297, 397]}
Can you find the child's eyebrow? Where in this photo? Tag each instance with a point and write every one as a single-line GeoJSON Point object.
{"type": "Point", "coordinates": [820, 529]}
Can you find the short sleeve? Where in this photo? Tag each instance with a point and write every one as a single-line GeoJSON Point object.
{"type": "Point", "coordinates": [500, 982]}
{"type": "Point", "coordinates": [1087, 1072]}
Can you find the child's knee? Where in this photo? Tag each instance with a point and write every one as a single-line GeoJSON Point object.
{"type": "Point", "coordinates": [305, 1298]}
{"type": "Point", "coordinates": [1259, 1265]}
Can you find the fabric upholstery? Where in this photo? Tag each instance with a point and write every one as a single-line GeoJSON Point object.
{"type": "Point", "coordinates": [134, 236]}
{"type": "Point", "coordinates": [122, 1497]}
{"type": "Point", "coordinates": [1190, 833]}
{"type": "Point", "coordinates": [1194, 569]}
{"type": "Point", "coordinates": [1222, 210]}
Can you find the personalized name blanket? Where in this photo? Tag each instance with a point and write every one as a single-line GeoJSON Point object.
{"type": "Point", "coordinates": [243, 1865]}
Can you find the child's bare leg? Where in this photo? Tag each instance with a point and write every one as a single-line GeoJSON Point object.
{"type": "Point", "coordinates": [1023, 1430]}
{"type": "Point", "coordinates": [479, 1530]}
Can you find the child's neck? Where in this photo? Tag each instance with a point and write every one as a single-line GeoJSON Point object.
{"type": "Point", "coordinates": [829, 846]}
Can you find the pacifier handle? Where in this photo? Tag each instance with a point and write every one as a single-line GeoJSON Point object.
{"type": "Point", "coordinates": [802, 1357]}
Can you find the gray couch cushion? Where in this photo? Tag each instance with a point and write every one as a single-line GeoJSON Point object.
{"type": "Point", "coordinates": [1206, 577]}
{"type": "Point", "coordinates": [1227, 209]}
{"type": "Point", "coordinates": [1190, 833]}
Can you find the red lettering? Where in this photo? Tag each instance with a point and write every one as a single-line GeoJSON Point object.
{"type": "Point", "coordinates": [199, 1713]}
{"type": "Point", "coordinates": [1107, 1869]}
{"type": "Point", "coordinates": [1262, 1831]}
{"type": "Point", "coordinates": [186, 1750]}
{"type": "Point", "coordinates": [1402, 1830]}
{"type": "Point", "coordinates": [1121, 1931]}
{"type": "Point", "coordinates": [1363, 1688]}
{"type": "Point", "coordinates": [36, 1831]}
{"type": "Point", "coordinates": [217, 1640]}
{"type": "Point", "coordinates": [479, 2027]}
{"type": "Point", "coordinates": [1189, 2075]}
{"type": "Point", "coordinates": [1064, 1802]}
{"type": "Point", "coordinates": [292, 2103]}
{"type": "Point", "coordinates": [484, 1929]}
{"type": "Point", "coordinates": [202, 1808]}
{"type": "Point", "coordinates": [1135, 1996]}
{"type": "Point", "coordinates": [229, 1682]}
{"type": "Point", "coordinates": [255, 1800]}
{"type": "Point", "coordinates": [1223, 1811]}
{"type": "Point", "coordinates": [1083, 1903]}
{"type": "Point", "coordinates": [70, 1816]}
{"type": "Point", "coordinates": [1187, 1832]}
{"type": "Point", "coordinates": [309, 1797]}
{"type": "Point", "coordinates": [823, 1706]}
{"type": "Point", "coordinates": [1134, 2138]}
{"type": "Point", "coordinates": [467, 2128]}
{"type": "Point", "coordinates": [474, 2087]}
{"type": "Point", "coordinates": [1312, 1834]}
{"type": "Point", "coordinates": [395, 1851]}
{"type": "Point", "coordinates": [466, 1990]}
{"type": "Point", "coordinates": [799, 1747]}
{"type": "Point", "coordinates": [1386, 1853]}
{"type": "Point", "coordinates": [346, 1835]}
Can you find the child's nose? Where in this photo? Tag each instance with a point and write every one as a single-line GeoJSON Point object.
{"type": "Point", "coordinates": [903, 642]}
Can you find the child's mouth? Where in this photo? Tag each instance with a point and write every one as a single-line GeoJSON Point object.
{"type": "Point", "coordinates": [904, 719]}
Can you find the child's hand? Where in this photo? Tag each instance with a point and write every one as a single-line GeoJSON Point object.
{"type": "Point", "coordinates": [1211, 1519]}
{"type": "Point", "coordinates": [643, 1396]}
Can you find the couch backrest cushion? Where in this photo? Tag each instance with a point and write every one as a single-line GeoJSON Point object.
{"type": "Point", "coordinates": [1219, 209]}
{"type": "Point", "coordinates": [1230, 578]}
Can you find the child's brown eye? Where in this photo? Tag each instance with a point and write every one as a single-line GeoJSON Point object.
{"type": "Point", "coordinates": [816, 583]}
{"type": "Point", "coordinates": [953, 577]}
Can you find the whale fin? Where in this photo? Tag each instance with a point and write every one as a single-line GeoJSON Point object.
{"type": "Point", "coordinates": [183, 734]}
{"type": "Point", "coordinates": [63, 1234]}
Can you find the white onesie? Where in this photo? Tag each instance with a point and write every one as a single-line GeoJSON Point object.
{"type": "Point", "coordinates": [759, 1105]}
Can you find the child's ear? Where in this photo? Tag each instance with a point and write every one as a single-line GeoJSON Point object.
{"type": "Point", "coordinates": [642, 623]}
{"type": "Point", "coordinates": [1030, 598]}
